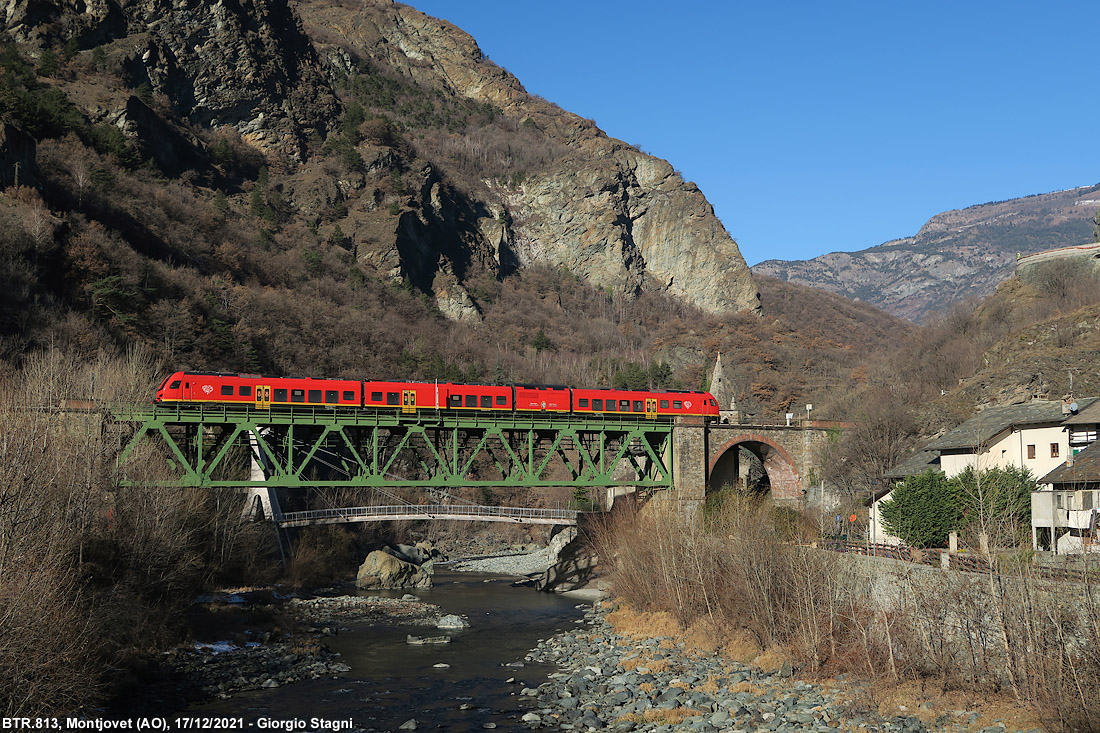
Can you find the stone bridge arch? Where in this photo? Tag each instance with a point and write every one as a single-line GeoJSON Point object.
{"type": "Point", "coordinates": [724, 465]}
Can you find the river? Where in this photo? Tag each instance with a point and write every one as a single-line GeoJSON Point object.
{"type": "Point", "coordinates": [392, 681]}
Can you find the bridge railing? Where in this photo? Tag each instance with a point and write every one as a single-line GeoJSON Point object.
{"type": "Point", "coordinates": [430, 510]}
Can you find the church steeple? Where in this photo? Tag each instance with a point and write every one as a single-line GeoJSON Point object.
{"type": "Point", "coordinates": [722, 389]}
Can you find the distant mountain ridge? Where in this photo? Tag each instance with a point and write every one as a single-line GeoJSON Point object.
{"type": "Point", "coordinates": [955, 255]}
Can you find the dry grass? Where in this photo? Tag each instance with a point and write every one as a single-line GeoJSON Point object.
{"type": "Point", "coordinates": [664, 716]}
{"type": "Point", "coordinates": [655, 666]}
{"type": "Point", "coordinates": [642, 624]}
{"type": "Point", "coordinates": [744, 686]}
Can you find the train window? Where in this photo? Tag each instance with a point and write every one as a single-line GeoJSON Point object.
{"type": "Point", "coordinates": [664, 404]}
{"type": "Point", "coordinates": [638, 406]}
{"type": "Point", "coordinates": [349, 396]}
{"type": "Point", "coordinates": [611, 405]}
{"type": "Point", "coordinates": [455, 400]}
{"type": "Point", "coordinates": [486, 400]}
{"type": "Point", "coordinates": [280, 395]}
{"type": "Point", "coordinates": [375, 396]}
{"type": "Point", "coordinates": [597, 404]}
{"type": "Point", "coordinates": [227, 389]}
{"type": "Point", "coordinates": [315, 395]}
{"type": "Point", "coordinates": [297, 395]}
{"type": "Point", "coordinates": [677, 405]}
{"type": "Point", "coordinates": [393, 398]}
{"type": "Point", "coordinates": [583, 402]}
{"type": "Point", "coordinates": [624, 405]}
{"type": "Point", "coordinates": [502, 399]}
{"type": "Point", "coordinates": [245, 391]}
{"type": "Point", "coordinates": [332, 395]}
{"type": "Point", "coordinates": [174, 385]}
{"type": "Point", "coordinates": [471, 400]}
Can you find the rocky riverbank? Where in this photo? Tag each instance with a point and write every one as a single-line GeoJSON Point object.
{"type": "Point", "coordinates": [513, 562]}
{"type": "Point", "coordinates": [611, 682]}
{"type": "Point", "coordinates": [262, 659]}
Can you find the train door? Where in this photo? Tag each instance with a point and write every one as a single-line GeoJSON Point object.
{"type": "Point", "coordinates": [408, 401]}
{"type": "Point", "coordinates": [263, 397]}
{"type": "Point", "coordinates": [651, 408]}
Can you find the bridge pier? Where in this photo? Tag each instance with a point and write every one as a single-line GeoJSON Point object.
{"type": "Point", "coordinates": [689, 466]}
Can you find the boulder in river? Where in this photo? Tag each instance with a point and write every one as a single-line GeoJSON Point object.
{"type": "Point", "coordinates": [382, 570]}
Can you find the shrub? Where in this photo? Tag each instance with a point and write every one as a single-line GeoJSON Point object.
{"type": "Point", "coordinates": [923, 509]}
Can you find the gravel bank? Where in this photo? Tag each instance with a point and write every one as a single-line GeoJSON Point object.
{"type": "Point", "coordinates": [261, 660]}
{"type": "Point", "coordinates": [609, 682]}
{"type": "Point", "coordinates": [519, 563]}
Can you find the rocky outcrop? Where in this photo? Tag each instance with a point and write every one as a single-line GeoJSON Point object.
{"type": "Point", "coordinates": [955, 255]}
{"type": "Point", "coordinates": [383, 570]}
{"type": "Point", "coordinates": [245, 65]}
{"type": "Point", "coordinates": [607, 212]}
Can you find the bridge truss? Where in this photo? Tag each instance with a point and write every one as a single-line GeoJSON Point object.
{"type": "Point", "coordinates": [326, 447]}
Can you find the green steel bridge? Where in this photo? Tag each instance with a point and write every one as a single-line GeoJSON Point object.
{"type": "Point", "coordinates": [222, 446]}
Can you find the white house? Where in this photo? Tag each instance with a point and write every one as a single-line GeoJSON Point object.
{"type": "Point", "coordinates": [1067, 502]}
{"type": "Point", "coordinates": [1031, 435]}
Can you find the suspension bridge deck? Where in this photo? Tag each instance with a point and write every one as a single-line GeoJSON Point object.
{"type": "Point", "coordinates": [516, 515]}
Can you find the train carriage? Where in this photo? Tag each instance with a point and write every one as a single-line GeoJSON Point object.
{"type": "Point", "coordinates": [637, 403]}
{"type": "Point", "coordinates": [259, 391]}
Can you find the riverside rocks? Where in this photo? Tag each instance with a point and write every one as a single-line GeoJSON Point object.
{"type": "Point", "coordinates": [610, 682]}
{"type": "Point", "coordinates": [224, 669]}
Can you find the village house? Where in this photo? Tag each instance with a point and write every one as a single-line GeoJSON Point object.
{"type": "Point", "coordinates": [1033, 436]}
{"type": "Point", "coordinates": [1065, 506]}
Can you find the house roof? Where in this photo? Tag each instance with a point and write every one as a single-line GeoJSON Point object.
{"type": "Point", "coordinates": [1085, 468]}
{"type": "Point", "coordinates": [917, 463]}
{"type": "Point", "coordinates": [992, 421]}
{"type": "Point", "coordinates": [1085, 415]}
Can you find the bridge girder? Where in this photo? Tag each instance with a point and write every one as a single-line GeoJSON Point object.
{"type": "Point", "coordinates": [325, 447]}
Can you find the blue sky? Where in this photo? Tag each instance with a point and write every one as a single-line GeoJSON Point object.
{"type": "Point", "coordinates": [815, 127]}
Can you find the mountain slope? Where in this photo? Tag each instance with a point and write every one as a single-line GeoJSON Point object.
{"type": "Point", "coordinates": [955, 255]}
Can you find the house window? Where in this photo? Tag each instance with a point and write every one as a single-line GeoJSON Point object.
{"type": "Point", "coordinates": [1058, 501]}
{"type": "Point", "coordinates": [1031, 451]}
{"type": "Point", "coordinates": [1053, 450]}
{"type": "Point", "coordinates": [1069, 502]}
{"type": "Point", "coordinates": [1086, 500]}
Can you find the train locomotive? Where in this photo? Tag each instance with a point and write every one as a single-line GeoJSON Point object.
{"type": "Point", "coordinates": [262, 392]}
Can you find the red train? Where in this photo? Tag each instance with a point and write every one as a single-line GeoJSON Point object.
{"type": "Point", "coordinates": [266, 392]}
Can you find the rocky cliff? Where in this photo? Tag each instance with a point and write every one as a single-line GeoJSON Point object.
{"type": "Point", "coordinates": [955, 255]}
{"type": "Point", "coordinates": [392, 92]}
{"type": "Point", "coordinates": [598, 207]}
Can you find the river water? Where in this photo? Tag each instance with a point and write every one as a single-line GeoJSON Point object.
{"type": "Point", "coordinates": [392, 681]}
